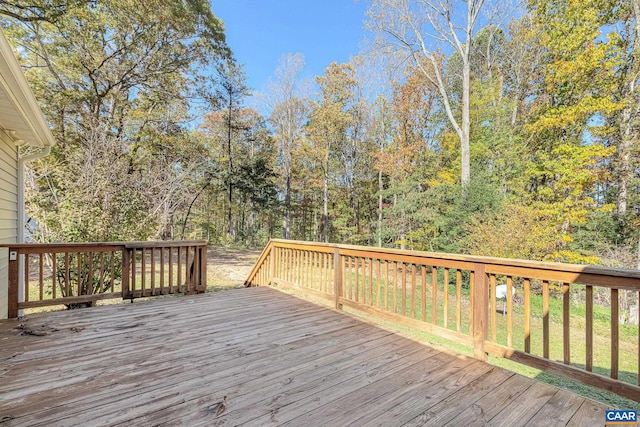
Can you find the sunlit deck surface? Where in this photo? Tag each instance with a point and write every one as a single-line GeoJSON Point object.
{"type": "Point", "coordinates": [278, 359]}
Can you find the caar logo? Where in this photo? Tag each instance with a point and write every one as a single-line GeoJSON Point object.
{"type": "Point", "coordinates": [621, 416]}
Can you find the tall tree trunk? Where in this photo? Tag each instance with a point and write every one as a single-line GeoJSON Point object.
{"type": "Point", "coordinates": [465, 152]}
{"type": "Point", "coordinates": [186, 217]}
{"type": "Point", "coordinates": [325, 209]}
{"type": "Point", "coordinates": [380, 188]}
{"type": "Point", "coordinates": [624, 161]}
{"type": "Point", "coordinates": [315, 225]}
{"type": "Point", "coordinates": [286, 224]}
{"type": "Point", "coordinates": [403, 226]}
{"type": "Point", "coordinates": [230, 177]}
{"type": "Point", "coordinates": [627, 134]}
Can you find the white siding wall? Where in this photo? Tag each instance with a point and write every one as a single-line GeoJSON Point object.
{"type": "Point", "coordinates": [8, 211]}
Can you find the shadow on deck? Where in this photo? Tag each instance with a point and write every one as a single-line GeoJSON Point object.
{"type": "Point", "coordinates": [277, 359]}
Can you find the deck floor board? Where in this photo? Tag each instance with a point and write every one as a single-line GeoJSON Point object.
{"type": "Point", "coordinates": [278, 359]}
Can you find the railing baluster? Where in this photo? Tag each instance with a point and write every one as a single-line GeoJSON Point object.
{"type": "Point", "coordinates": [179, 267]}
{"type": "Point", "coordinates": [67, 274]}
{"type": "Point", "coordinates": [545, 319]}
{"type": "Point", "coordinates": [395, 287]}
{"type": "Point", "coordinates": [338, 264]}
{"type": "Point", "coordinates": [404, 289]}
{"type": "Point", "coordinates": [320, 272]}
{"type": "Point", "coordinates": [356, 261]}
{"type": "Point", "coordinates": [134, 272]}
{"type": "Point", "coordinates": [492, 284]}
{"type": "Point", "coordinates": [378, 284]}
{"type": "Point", "coordinates": [113, 272]}
{"type": "Point", "coordinates": [386, 285]}
{"type": "Point", "coordinates": [153, 271]}
{"type": "Point", "coordinates": [143, 270]}
{"type": "Point", "coordinates": [162, 270]}
{"type": "Point", "coordinates": [307, 268]}
{"type": "Point", "coordinates": [90, 274]}
{"type": "Point", "coordinates": [170, 270]}
{"type": "Point", "coordinates": [364, 280]}
{"type": "Point", "coordinates": [294, 266]}
{"type": "Point", "coordinates": [434, 295]}
{"type": "Point", "coordinates": [615, 333]}
{"type": "Point", "coordinates": [423, 291]}
{"type": "Point", "coordinates": [26, 277]}
{"type": "Point", "coordinates": [288, 265]}
{"type": "Point", "coordinates": [54, 274]}
{"type": "Point", "coordinates": [472, 280]}
{"type": "Point", "coordinates": [101, 282]}
{"type": "Point", "coordinates": [126, 273]}
{"type": "Point", "coordinates": [509, 303]}
{"type": "Point", "coordinates": [413, 291]}
{"type": "Point", "coordinates": [371, 281]}
{"type": "Point", "coordinates": [312, 272]}
{"type": "Point", "coordinates": [445, 299]}
{"type": "Point", "coordinates": [41, 275]}
{"type": "Point", "coordinates": [298, 267]}
{"type": "Point", "coordinates": [79, 259]}
{"type": "Point", "coordinates": [527, 316]}
{"type": "Point", "coordinates": [458, 300]}
{"type": "Point", "coordinates": [566, 325]}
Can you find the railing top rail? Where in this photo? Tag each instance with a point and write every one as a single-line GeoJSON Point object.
{"type": "Point", "coordinates": [489, 261]}
{"type": "Point", "coordinates": [128, 245]}
{"type": "Point", "coordinates": [165, 243]}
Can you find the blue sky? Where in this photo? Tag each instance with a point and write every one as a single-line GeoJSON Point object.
{"type": "Point", "coordinates": [260, 31]}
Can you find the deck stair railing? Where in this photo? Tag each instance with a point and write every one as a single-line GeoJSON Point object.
{"type": "Point", "coordinates": [75, 274]}
{"type": "Point", "coordinates": [563, 318]}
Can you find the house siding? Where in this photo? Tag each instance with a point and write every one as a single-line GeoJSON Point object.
{"type": "Point", "coordinates": [8, 212]}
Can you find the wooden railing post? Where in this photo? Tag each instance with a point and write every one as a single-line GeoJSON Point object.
{"type": "Point", "coordinates": [126, 273]}
{"type": "Point", "coordinates": [337, 277]}
{"type": "Point", "coordinates": [480, 312]}
{"type": "Point", "coordinates": [272, 262]}
{"type": "Point", "coordinates": [14, 283]}
{"type": "Point", "coordinates": [203, 269]}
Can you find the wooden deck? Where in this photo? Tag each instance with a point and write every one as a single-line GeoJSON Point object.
{"type": "Point", "coordinates": [277, 359]}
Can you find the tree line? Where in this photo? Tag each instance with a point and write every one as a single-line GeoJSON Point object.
{"type": "Point", "coordinates": [477, 127]}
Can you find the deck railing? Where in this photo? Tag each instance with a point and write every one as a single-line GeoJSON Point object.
{"type": "Point", "coordinates": [74, 274]}
{"type": "Point", "coordinates": [560, 318]}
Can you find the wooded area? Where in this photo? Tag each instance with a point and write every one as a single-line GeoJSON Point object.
{"type": "Point", "coordinates": [483, 129]}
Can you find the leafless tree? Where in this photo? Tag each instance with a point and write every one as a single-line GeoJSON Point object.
{"type": "Point", "coordinates": [288, 112]}
{"type": "Point", "coordinates": [424, 29]}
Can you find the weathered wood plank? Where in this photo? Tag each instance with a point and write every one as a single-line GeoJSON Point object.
{"type": "Point", "coordinates": [399, 406]}
{"type": "Point", "coordinates": [261, 395]}
{"type": "Point", "coordinates": [459, 401]}
{"type": "Point", "coordinates": [485, 408]}
{"type": "Point", "coordinates": [589, 414]}
{"type": "Point", "coordinates": [558, 411]}
{"type": "Point", "coordinates": [278, 359]}
{"type": "Point", "coordinates": [376, 398]}
{"type": "Point", "coordinates": [524, 407]}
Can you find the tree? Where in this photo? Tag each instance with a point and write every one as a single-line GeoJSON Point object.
{"type": "Point", "coordinates": [116, 80]}
{"type": "Point", "coordinates": [408, 25]}
{"type": "Point", "coordinates": [328, 126]}
{"type": "Point", "coordinates": [288, 114]}
{"type": "Point", "coordinates": [230, 94]}
{"type": "Point", "coordinates": [571, 97]}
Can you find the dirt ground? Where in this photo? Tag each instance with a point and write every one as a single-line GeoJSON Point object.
{"type": "Point", "coordinates": [228, 268]}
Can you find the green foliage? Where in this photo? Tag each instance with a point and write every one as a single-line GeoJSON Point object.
{"type": "Point", "coordinates": [553, 134]}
